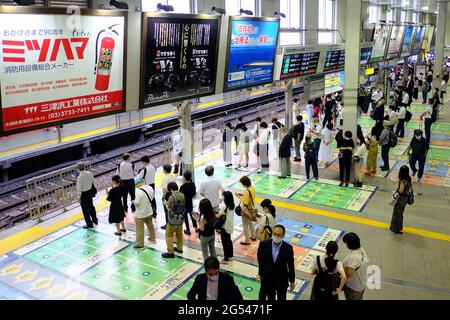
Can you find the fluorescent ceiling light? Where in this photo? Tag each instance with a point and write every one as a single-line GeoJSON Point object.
{"type": "Point", "coordinates": [425, 8]}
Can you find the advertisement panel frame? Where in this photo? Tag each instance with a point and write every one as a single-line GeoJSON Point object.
{"type": "Point", "coordinates": [387, 56]}
{"type": "Point", "coordinates": [145, 16]}
{"type": "Point", "coordinates": [227, 60]}
{"type": "Point", "coordinates": [414, 51]}
{"type": "Point", "coordinates": [381, 58]}
{"type": "Point", "coordinates": [63, 11]}
{"type": "Point", "coordinates": [413, 36]}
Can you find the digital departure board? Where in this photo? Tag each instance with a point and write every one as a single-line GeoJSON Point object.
{"type": "Point", "coordinates": [365, 55]}
{"type": "Point", "coordinates": [180, 57]}
{"type": "Point", "coordinates": [334, 60]}
{"type": "Point", "coordinates": [300, 64]}
{"type": "Point", "coordinates": [417, 46]}
{"type": "Point", "coordinates": [408, 41]}
{"type": "Point", "coordinates": [334, 82]}
{"type": "Point", "coordinates": [395, 42]}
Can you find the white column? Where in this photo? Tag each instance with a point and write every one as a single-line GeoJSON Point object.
{"type": "Point", "coordinates": [204, 6]}
{"type": "Point", "coordinates": [268, 7]}
{"type": "Point", "coordinates": [440, 39]}
{"type": "Point", "coordinates": [397, 14]}
{"type": "Point", "coordinates": [352, 58]}
{"type": "Point", "coordinates": [311, 21]}
{"type": "Point", "coordinates": [187, 133]}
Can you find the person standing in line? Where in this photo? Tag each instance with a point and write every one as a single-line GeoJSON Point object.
{"type": "Point", "coordinates": [168, 177]}
{"type": "Point", "coordinates": [435, 97]}
{"type": "Point", "coordinates": [325, 151]}
{"type": "Point", "coordinates": [405, 98]}
{"type": "Point", "coordinates": [148, 173]}
{"type": "Point", "coordinates": [263, 143]}
{"type": "Point", "coordinates": [402, 195]}
{"type": "Point", "coordinates": [176, 209]}
{"type": "Point", "coordinates": [211, 188]}
{"type": "Point", "coordinates": [401, 114]}
{"type": "Point", "coordinates": [189, 191]}
{"type": "Point", "coordinates": [144, 197]}
{"type": "Point", "coordinates": [443, 89]}
{"type": "Point", "coordinates": [285, 154]}
{"type": "Point", "coordinates": [355, 267]}
{"type": "Point", "coordinates": [227, 139]}
{"type": "Point", "coordinates": [359, 158]}
{"type": "Point", "coordinates": [333, 269]}
{"type": "Point", "coordinates": [417, 152]}
{"type": "Point", "coordinates": [410, 89]}
{"type": "Point", "coordinates": [299, 132]}
{"type": "Point", "coordinates": [276, 266]}
{"type": "Point", "coordinates": [392, 117]}
{"type": "Point", "coordinates": [255, 133]}
{"type": "Point", "coordinates": [416, 88]}
{"type": "Point", "coordinates": [86, 191]}
{"type": "Point", "coordinates": [207, 234]}
{"type": "Point", "coordinates": [276, 126]}
{"type": "Point", "coordinates": [309, 148]}
{"type": "Point", "coordinates": [126, 172]}
{"type": "Point", "coordinates": [214, 284]}
{"type": "Point", "coordinates": [116, 212]}
{"type": "Point", "coordinates": [237, 132]}
{"type": "Point", "coordinates": [316, 111]}
{"type": "Point", "coordinates": [248, 205]}
{"type": "Point", "coordinates": [177, 146]}
{"type": "Point", "coordinates": [296, 107]}
{"type": "Point", "coordinates": [427, 118]}
{"type": "Point", "coordinates": [310, 113]}
{"type": "Point", "coordinates": [346, 146]}
{"type": "Point", "coordinates": [384, 142]}
{"type": "Point", "coordinates": [267, 221]}
{"type": "Point", "coordinates": [317, 138]}
{"type": "Point", "coordinates": [328, 110]}
{"type": "Point", "coordinates": [425, 90]}
{"type": "Point", "coordinates": [372, 143]}
{"type": "Point", "coordinates": [227, 210]}
{"type": "Point", "coordinates": [244, 148]}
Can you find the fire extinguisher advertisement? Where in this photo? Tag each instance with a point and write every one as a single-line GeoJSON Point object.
{"type": "Point", "coordinates": [180, 57]}
{"type": "Point", "coordinates": [54, 71]}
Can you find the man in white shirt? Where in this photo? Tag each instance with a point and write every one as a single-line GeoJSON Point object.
{"type": "Point", "coordinates": [355, 267]}
{"type": "Point", "coordinates": [143, 202]}
{"type": "Point", "coordinates": [401, 114]}
{"type": "Point", "coordinates": [168, 177]}
{"type": "Point", "coordinates": [426, 117]}
{"type": "Point", "coordinates": [263, 142]}
{"type": "Point", "coordinates": [126, 172]}
{"type": "Point", "coordinates": [177, 144]}
{"type": "Point", "coordinates": [85, 192]}
{"type": "Point", "coordinates": [405, 98]}
{"type": "Point", "coordinates": [310, 113]}
{"type": "Point", "coordinates": [377, 95]}
{"type": "Point", "coordinates": [148, 173]}
{"type": "Point", "coordinates": [211, 188]}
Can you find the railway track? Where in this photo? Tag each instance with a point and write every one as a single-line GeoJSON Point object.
{"type": "Point", "coordinates": [14, 200]}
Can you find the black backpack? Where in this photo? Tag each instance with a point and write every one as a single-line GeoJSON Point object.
{"type": "Point", "coordinates": [434, 113]}
{"type": "Point", "coordinates": [408, 116]}
{"type": "Point", "coordinates": [392, 139]}
{"type": "Point", "coordinates": [324, 283]}
{"type": "Point", "coordinates": [176, 215]}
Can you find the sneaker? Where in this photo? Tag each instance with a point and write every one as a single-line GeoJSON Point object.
{"type": "Point", "coordinates": [118, 233]}
{"type": "Point", "coordinates": [187, 232]}
{"type": "Point", "coordinates": [88, 227]}
{"type": "Point", "coordinates": [168, 255]}
{"type": "Point", "coordinates": [163, 227]}
{"type": "Point", "coordinates": [341, 184]}
{"type": "Point", "coordinates": [297, 160]}
{"type": "Point", "coordinates": [384, 168]}
{"type": "Point", "coordinates": [96, 222]}
{"type": "Point", "coordinates": [177, 250]}
{"type": "Point", "coordinates": [138, 247]}
{"type": "Point", "coordinates": [123, 230]}
{"type": "Point", "coordinates": [245, 243]}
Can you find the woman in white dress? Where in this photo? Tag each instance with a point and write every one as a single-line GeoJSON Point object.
{"type": "Point", "coordinates": [326, 150]}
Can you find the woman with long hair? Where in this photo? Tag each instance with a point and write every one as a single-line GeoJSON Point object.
{"type": "Point", "coordinates": [402, 194]}
{"type": "Point", "coordinates": [207, 233]}
{"type": "Point", "coordinates": [267, 221]}
{"type": "Point", "coordinates": [227, 210]}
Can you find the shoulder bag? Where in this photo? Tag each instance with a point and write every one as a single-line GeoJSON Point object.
{"type": "Point", "coordinates": [251, 214]}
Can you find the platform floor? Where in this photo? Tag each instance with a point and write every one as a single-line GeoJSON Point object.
{"type": "Point", "coordinates": [58, 260]}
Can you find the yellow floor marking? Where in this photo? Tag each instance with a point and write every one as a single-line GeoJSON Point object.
{"type": "Point", "coordinates": [359, 220]}
{"type": "Point", "coordinates": [20, 239]}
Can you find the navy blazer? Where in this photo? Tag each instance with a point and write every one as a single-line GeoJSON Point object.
{"type": "Point", "coordinates": [280, 272]}
{"type": "Point", "coordinates": [228, 290]}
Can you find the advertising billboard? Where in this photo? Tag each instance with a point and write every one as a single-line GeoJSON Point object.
{"type": "Point", "coordinates": [334, 82]}
{"type": "Point", "coordinates": [395, 42]}
{"type": "Point", "coordinates": [428, 43]}
{"type": "Point", "coordinates": [179, 57]}
{"type": "Point", "coordinates": [252, 45]}
{"type": "Point", "coordinates": [366, 53]}
{"type": "Point", "coordinates": [54, 70]}
{"type": "Point", "coordinates": [417, 44]}
{"type": "Point", "coordinates": [299, 64]}
{"type": "Point", "coordinates": [334, 60]}
{"type": "Point", "coordinates": [380, 38]}
{"type": "Point", "coordinates": [407, 41]}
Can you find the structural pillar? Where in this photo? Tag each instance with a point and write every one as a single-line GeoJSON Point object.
{"type": "Point", "coordinates": [289, 105]}
{"type": "Point", "coordinates": [311, 22]}
{"type": "Point", "coordinates": [352, 58]}
{"type": "Point", "coordinates": [383, 10]}
{"type": "Point", "coordinates": [409, 14]}
{"type": "Point", "coordinates": [439, 45]}
{"type": "Point", "coordinates": [187, 134]}
{"type": "Point", "coordinates": [397, 14]}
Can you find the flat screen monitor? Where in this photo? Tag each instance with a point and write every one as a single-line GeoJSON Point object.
{"type": "Point", "coordinates": [407, 40]}
{"type": "Point", "coordinates": [381, 39]}
{"type": "Point", "coordinates": [334, 82]}
{"type": "Point", "coordinates": [180, 57]}
{"type": "Point", "coordinates": [334, 60]}
{"type": "Point", "coordinates": [252, 46]}
{"type": "Point", "coordinates": [420, 34]}
{"type": "Point", "coordinates": [299, 64]}
{"type": "Point", "coordinates": [365, 55]}
{"type": "Point", "coordinates": [395, 42]}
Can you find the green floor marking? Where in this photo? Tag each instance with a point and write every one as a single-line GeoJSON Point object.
{"type": "Point", "coordinates": [332, 196]}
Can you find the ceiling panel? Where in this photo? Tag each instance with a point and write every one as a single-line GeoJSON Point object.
{"type": "Point", "coordinates": [416, 5]}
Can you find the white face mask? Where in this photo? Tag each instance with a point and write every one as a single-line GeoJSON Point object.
{"type": "Point", "coordinates": [214, 278]}
{"type": "Point", "coordinates": [277, 240]}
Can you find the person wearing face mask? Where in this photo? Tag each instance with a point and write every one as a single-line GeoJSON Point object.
{"type": "Point", "coordinates": [275, 266]}
{"type": "Point", "coordinates": [417, 152]}
{"type": "Point", "coordinates": [214, 284]}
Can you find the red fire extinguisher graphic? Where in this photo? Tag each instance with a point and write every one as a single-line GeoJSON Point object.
{"type": "Point", "coordinates": [104, 62]}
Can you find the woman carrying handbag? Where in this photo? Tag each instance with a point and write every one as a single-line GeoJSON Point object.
{"type": "Point", "coordinates": [403, 195]}
{"type": "Point", "coordinates": [247, 209]}
{"type": "Point", "coordinates": [266, 222]}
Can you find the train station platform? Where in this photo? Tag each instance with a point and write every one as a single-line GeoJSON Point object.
{"type": "Point", "coordinates": [57, 259]}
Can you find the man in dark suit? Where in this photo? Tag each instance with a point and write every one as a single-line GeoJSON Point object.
{"type": "Point", "coordinates": [214, 284]}
{"type": "Point", "coordinates": [276, 266]}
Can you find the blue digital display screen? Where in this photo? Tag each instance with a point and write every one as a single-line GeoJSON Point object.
{"type": "Point", "coordinates": [407, 41]}
{"type": "Point", "coordinates": [252, 51]}
{"type": "Point", "coordinates": [365, 55]}
{"type": "Point", "coordinates": [417, 46]}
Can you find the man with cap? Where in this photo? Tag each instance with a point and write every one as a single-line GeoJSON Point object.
{"type": "Point", "coordinates": [417, 151]}
{"type": "Point", "coordinates": [86, 191]}
{"type": "Point", "coordinates": [143, 202]}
